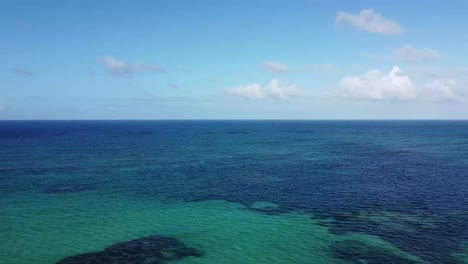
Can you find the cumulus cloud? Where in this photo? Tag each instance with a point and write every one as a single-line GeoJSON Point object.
{"type": "Point", "coordinates": [124, 69]}
{"type": "Point", "coordinates": [275, 66]}
{"type": "Point", "coordinates": [369, 20]}
{"type": "Point", "coordinates": [21, 71]}
{"type": "Point", "coordinates": [374, 84]}
{"type": "Point", "coordinates": [274, 90]}
{"type": "Point", "coordinates": [396, 85]}
{"type": "Point", "coordinates": [414, 55]}
{"type": "Point", "coordinates": [250, 91]}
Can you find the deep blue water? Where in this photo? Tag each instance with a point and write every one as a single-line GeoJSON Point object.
{"type": "Point", "coordinates": [404, 181]}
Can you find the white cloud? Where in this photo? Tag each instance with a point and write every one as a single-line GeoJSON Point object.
{"type": "Point", "coordinates": [443, 89]}
{"type": "Point", "coordinates": [274, 90]}
{"type": "Point", "coordinates": [279, 90]}
{"type": "Point", "coordinates": [250, 91]}
{"type": "Point", "coordinates": [275, 66]}
{"type": "Point", "coordinates": [414, 55]}
{"type": "Point", "coordinates": [376, 85]}
{"type": "Point", "coordinates": [122, 68]}
{"type": "Point", "coordinates": [396, 85]}
{"type": "Point", "coordinates": [370, 21]}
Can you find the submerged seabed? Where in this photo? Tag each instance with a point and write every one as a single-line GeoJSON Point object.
{"type": "Point", "coordinates": [234, 191]}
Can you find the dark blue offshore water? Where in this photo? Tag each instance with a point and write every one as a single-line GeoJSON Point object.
{"type": "Point", "coordinates": [403, 181]}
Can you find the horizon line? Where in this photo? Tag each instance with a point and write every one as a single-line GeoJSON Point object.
{"type": "Point", "coordinates": [251, 119]}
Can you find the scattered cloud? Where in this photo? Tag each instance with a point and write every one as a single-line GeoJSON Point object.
{"type": "Point", "coordinates": [397, 85]}
{"type": "Point", "coordinates": [21, 71]}
{"type": "Point", "coordinates": [414, 55]}
{"type": "Point", "coordinates": [369, 20]}
{"type": "Point", "coordinates": [275, 66]}
{"type": "Point", "coordinates": [124, 69]}
{"type": "Point", "coordinates": [374, 84]}
{"type": "Point", "coordinates": [274, 90]}
{"type": "Point", "coordinates": [408, 54]}
{"type": "Point", "coordinates": [250, 91]}
{"type": "Point", "coordinates": [444, 89]}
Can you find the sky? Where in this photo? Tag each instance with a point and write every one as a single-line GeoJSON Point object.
{"type": "Point", "coordinates": [207, 59]}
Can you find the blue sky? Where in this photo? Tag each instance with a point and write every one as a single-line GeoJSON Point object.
{"type": "Point", "coordinates": [233, 59]}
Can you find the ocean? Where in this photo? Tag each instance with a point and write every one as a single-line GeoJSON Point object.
{"type": "Point", "coordinates": [233, 192]}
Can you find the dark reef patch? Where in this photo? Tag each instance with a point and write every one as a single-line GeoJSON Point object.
{"type": "Point", "coordinates": [147, 250]}
{"type": "Point", "coordinates": [353, 251]}
{"type": "Point", "coordinates": [410, 232]}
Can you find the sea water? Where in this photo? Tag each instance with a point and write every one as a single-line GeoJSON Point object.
{"type": "Point", "coordinates": [237, 191]}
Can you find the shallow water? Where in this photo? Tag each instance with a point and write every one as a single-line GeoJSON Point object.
{"type": "Point", "coordinates": [238, 191]}
{"type": "Point", "coordinates": [47, 229]}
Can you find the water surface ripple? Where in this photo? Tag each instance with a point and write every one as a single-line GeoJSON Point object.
{"type": "Point", "coordinates": [238, 191]}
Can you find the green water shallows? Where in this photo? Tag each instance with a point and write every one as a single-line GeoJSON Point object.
{"type": "Point", "coordinates": [45, 228]}
{"type": "Point", "coordinates": [462, 255]}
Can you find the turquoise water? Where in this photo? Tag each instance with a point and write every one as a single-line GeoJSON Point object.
{"type": "Point", "coordinates": [238, 191]}
{"type": "Point", "coordinates": [47, 229]}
